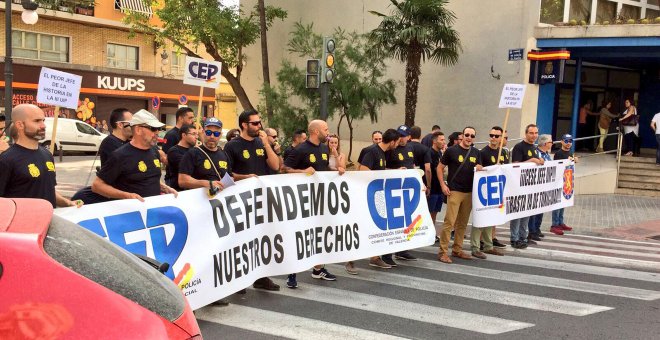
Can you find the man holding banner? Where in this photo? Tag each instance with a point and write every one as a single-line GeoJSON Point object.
{"type": "Point", "coordinates": [203, 166]}
{"type": "Point", "coordinates": [250, 155]}
{"type": "Point", "coordinates": [558, 227]}
{"type": "Point", "coordinates": [525, 151]}
{"type": "Point", "coordinates": [461, 159]}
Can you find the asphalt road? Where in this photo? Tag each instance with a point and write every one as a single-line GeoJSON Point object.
{"type": "Point", "coordinates": [593, 289]}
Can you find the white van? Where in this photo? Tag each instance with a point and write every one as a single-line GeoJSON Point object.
{"type": "Point", "coordinates": [73, 135]}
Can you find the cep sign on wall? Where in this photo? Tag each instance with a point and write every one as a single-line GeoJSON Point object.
{"type": "Point", "coordinates": [200, 72]}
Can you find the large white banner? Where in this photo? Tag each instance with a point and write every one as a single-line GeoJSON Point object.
{"type": "Point", "coordinates": [271, 225]}
{"type": "Point", "coordinates": [506, 192]}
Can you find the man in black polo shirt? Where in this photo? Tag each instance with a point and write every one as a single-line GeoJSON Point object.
{"type": "Point", "coordinates": [525, 151]}
{"type": "Point", "coordinates": [461, 159]}
{"type": "Point", "coordinates": [205, 165]}
{"type": "Point", "coordinates": [184, 115]}
{"type": "Point", "coordinates": [26, 169]}
{"type": "Point", "coordinates": [175, 154]}
{"type": "Point", "coordinates": [376, 137]}
{"type": "Point", "coordinates": [435, 194]}
{"type": "Point", "coordinates": [250, 155]}
{"type": "Point", "coordinates": [311, 156]}
{"type": "Point", "coordinates": [133, 171]}
{"type": "Point", "coordinates": [375, 159]}
{"type": "Point", "coordinates": [121, 133]}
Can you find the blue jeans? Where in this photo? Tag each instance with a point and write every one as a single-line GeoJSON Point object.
{"type": "Point", "coordinates": [558, 217]}
{"type": "Point", "coordinates": [657, 151]}
{"type": "Point", "coordinates": [519, 229]}
{"type": "Point", "coordinates": [534, 224]}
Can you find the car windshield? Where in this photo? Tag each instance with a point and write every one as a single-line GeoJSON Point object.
{"type": "Point", "coordinates": [112, 267]}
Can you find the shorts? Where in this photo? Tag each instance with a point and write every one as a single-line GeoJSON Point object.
{"type": "Point", "coordinates": [435, 202]}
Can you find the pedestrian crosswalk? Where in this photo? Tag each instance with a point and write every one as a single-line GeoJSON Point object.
{"type": "Point", "coordinates": [523, 293]}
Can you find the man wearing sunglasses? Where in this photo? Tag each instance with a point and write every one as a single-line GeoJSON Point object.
{"type": "Point", "coordinates": [461, 159]}
{"type": "Point", "coordinates": [525, 151]}
{"type": "Point", "coordinates": [205, 165]}
{"type": "Point", "coordinates": [188, 135]}
{"type": "Point", "coordinates": [250, 155]}
{"type": "Point", "coordinates": [133, 171]}
{"type": "Point", "coordinates": [121, 133]}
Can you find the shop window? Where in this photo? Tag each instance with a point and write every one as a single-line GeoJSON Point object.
{"type": "Point", "coordinates": [178, 63]}
{"type": "Point", "coordinates": [122, 56]}
{"type": "Point", "coordinates": [40, 46]}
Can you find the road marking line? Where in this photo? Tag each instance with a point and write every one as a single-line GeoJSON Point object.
{"type": "Point", "coordinates": [476, 293]}
{"type": "Point", "coordinates": [538, 280]}
{"type": "Point", "coordinates": [404, 309]}
{"type": "Point", "coordinates": [284, 325]}
{"type": "Point", "coordinates": [564, 240]}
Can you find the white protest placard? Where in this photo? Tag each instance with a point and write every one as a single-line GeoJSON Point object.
{"type": "Point", "coordinates": [59, 88]}
{"type": "Point", "coordinates": [512, 96]}
{"type": "Point", "coordinates": [506, 192]}
{"type": "Point", "coordinates": [265, 226]}
{"type": "Point", "coordinates": [201, 72]}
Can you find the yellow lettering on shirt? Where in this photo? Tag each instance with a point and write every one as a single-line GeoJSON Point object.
{"type": "Point", "coordinates": [312, 158]}
{"type": "Point", "coordinates": [260, 152]}
{"type": "Point", "coordinates": [142, 167]}
{"type": "Point", "coordinates": [381, 162]}
{"type": "Point", "coordinates": [246, 154]}
{"type": "Point", "coordinates": [207, 164]}
{"type": "Point", "coordinates": [34, 171]}
{"type": "Point", "coordinates": [410, 154]}
{"type": "Point", "coordinates": [324, 156]}
{"type": "Point", "coordinates": [157, 163]}
{"type": "Point", "coordinates": [400, 157]}
{"type": "Point", "coordinates": [50, 166]}
{"type": "Point", "coordinates": [529, 153]}
{"type": "Point", "coordinates": [222, 164]}
{"type": "Point", "coordinates": [492, 159]}
{"type": "Point", "coordinates": [460, 158]}
{"type": "Point", "coordinates": [473, 159]}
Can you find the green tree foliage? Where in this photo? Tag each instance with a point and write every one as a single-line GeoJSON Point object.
{"type": "Point", "coordinates": [414, 32]}
{"type": "Point", "coordinates": [196, 26]}
{"type": "Point", "coordinates": [359, 89]}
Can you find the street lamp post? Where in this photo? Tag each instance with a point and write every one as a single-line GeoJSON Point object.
{"type": "Point", "coordinates": [29, 17]}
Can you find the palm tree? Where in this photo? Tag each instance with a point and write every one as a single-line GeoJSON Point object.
{"type": "Point", "coordinates": [414, 32]}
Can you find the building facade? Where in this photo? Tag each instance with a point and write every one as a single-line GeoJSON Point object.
{"type": "Point", "coordinates": [617, 60]}
{"type": "Point", "coordinates": [117, 69]}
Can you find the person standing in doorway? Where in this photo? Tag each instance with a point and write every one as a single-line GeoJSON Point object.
{"type": "Point", "coordinates": [630, 122]}
{"type": "Point", "coordinates": [604, 122]}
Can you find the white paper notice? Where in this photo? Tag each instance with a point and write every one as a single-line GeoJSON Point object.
{"type": "Point", "coordinates": [227, 181]}
{"type": "Point", "coordinates": [512, 96]}
{"type": "Point", "coordinates": [58, 88]}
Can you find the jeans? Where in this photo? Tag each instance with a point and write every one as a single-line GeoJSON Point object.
{"type": "Point", "coordinates": [519, 229]}
{"type": "Point", "coordinates": [558, 217]}
{"type": "Point", "coordinates": [657, 151]}
{"type": "Point", "coordinates": [534, 224]}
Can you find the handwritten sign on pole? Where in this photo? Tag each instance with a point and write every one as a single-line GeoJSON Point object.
{"type": "Point", "coordinates": [512, 96]}
{"type": "Point", "coordinates": [58, 88]}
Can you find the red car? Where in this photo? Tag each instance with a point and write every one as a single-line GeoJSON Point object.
{"type": "Point", "coordinates": [59, 280]}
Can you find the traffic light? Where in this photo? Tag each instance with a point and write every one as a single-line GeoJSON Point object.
{"type": "Point", "coordinates": [312, 81]}
{"type": "Point", "coordinates": [328, 62]}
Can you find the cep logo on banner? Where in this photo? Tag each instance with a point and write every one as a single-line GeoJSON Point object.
{"type": "Point", "coordinates": [200, 72]}
{"type": "Point", "coordinates": [491, 190]}
{"type": "Point", "coordinates": [392, 202]}
{"type": "Point", "coordinates": [165, 231]}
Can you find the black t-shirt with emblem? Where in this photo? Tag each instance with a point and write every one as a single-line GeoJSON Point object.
{"type": "Point", "coordinates": [523, 151]}
{"type": "Point", "coordinates": [27, 173]}
{"type": "Point", "coordinates": [421, 154]}
{"type": "Point", "coordinates": [434, 156]}
{"type": "Point", "coordinates": [374, 158]}
{"type": "Point", "coordinates": [174, 156]}
{"type": "Point", "coordinates": [133, 170]}
{"type": "Point", "coordinates": [198, 166]}
{"type": "Point", "coordinates": [489, 156]}
{"type": "Point", "coordinates": [401, 157]}
{"type": "Point", "coordinates": [172, 138]}
{"type": "Point", "coordinates": [561, 154]}
{"type": "Point", "coordinates": [247, 157]}
{"type": "Point", "coordinates": [452, 158]}
{"type": "Point", "coordinates": [307, 154]}
{"type": "Point", "coordinates": [108, 146]}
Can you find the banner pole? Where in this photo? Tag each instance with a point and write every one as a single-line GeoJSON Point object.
{"type": "Point", "coordinates": [506, 121]}
{"type": "Point", "coordinates": [52, 139]}
{"type": "Point", "coordinates": [199, 108]}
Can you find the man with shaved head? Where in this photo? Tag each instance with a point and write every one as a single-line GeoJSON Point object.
{"type": "Point", "coordinates": [308, 157]}
{"type": "Point", "coordinates": [26, 169]}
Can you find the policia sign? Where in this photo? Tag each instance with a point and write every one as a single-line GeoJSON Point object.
{"type": "Point", "coordinates": [265, 226]}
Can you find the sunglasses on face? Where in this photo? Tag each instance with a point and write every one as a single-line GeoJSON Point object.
{"type": "Point", "coordinates": [214, 133]}
{"type": "Point", "coordinates": [255, 123]}
{"type": "Point", "coordinates": [469, 135]}
{"type": "Point", "coordinates": [568, 141]}
{"type": "Point", "coordinates": [494, 136]}
{"type": "Point", "coordinates": [153, 129]}
{"type": "Point", "coordinates": [274, 137]}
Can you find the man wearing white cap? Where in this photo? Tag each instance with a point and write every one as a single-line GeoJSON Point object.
{"type": "Point", "coordinates": [133, 171]}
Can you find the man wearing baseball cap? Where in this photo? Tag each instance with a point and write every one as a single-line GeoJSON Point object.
{"type": "Point", "coordinates": [558, 227]}
{"type": "Point", "coordinates": [205, 165]}
{"type": "Point", "coordinates": [133, 171]}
